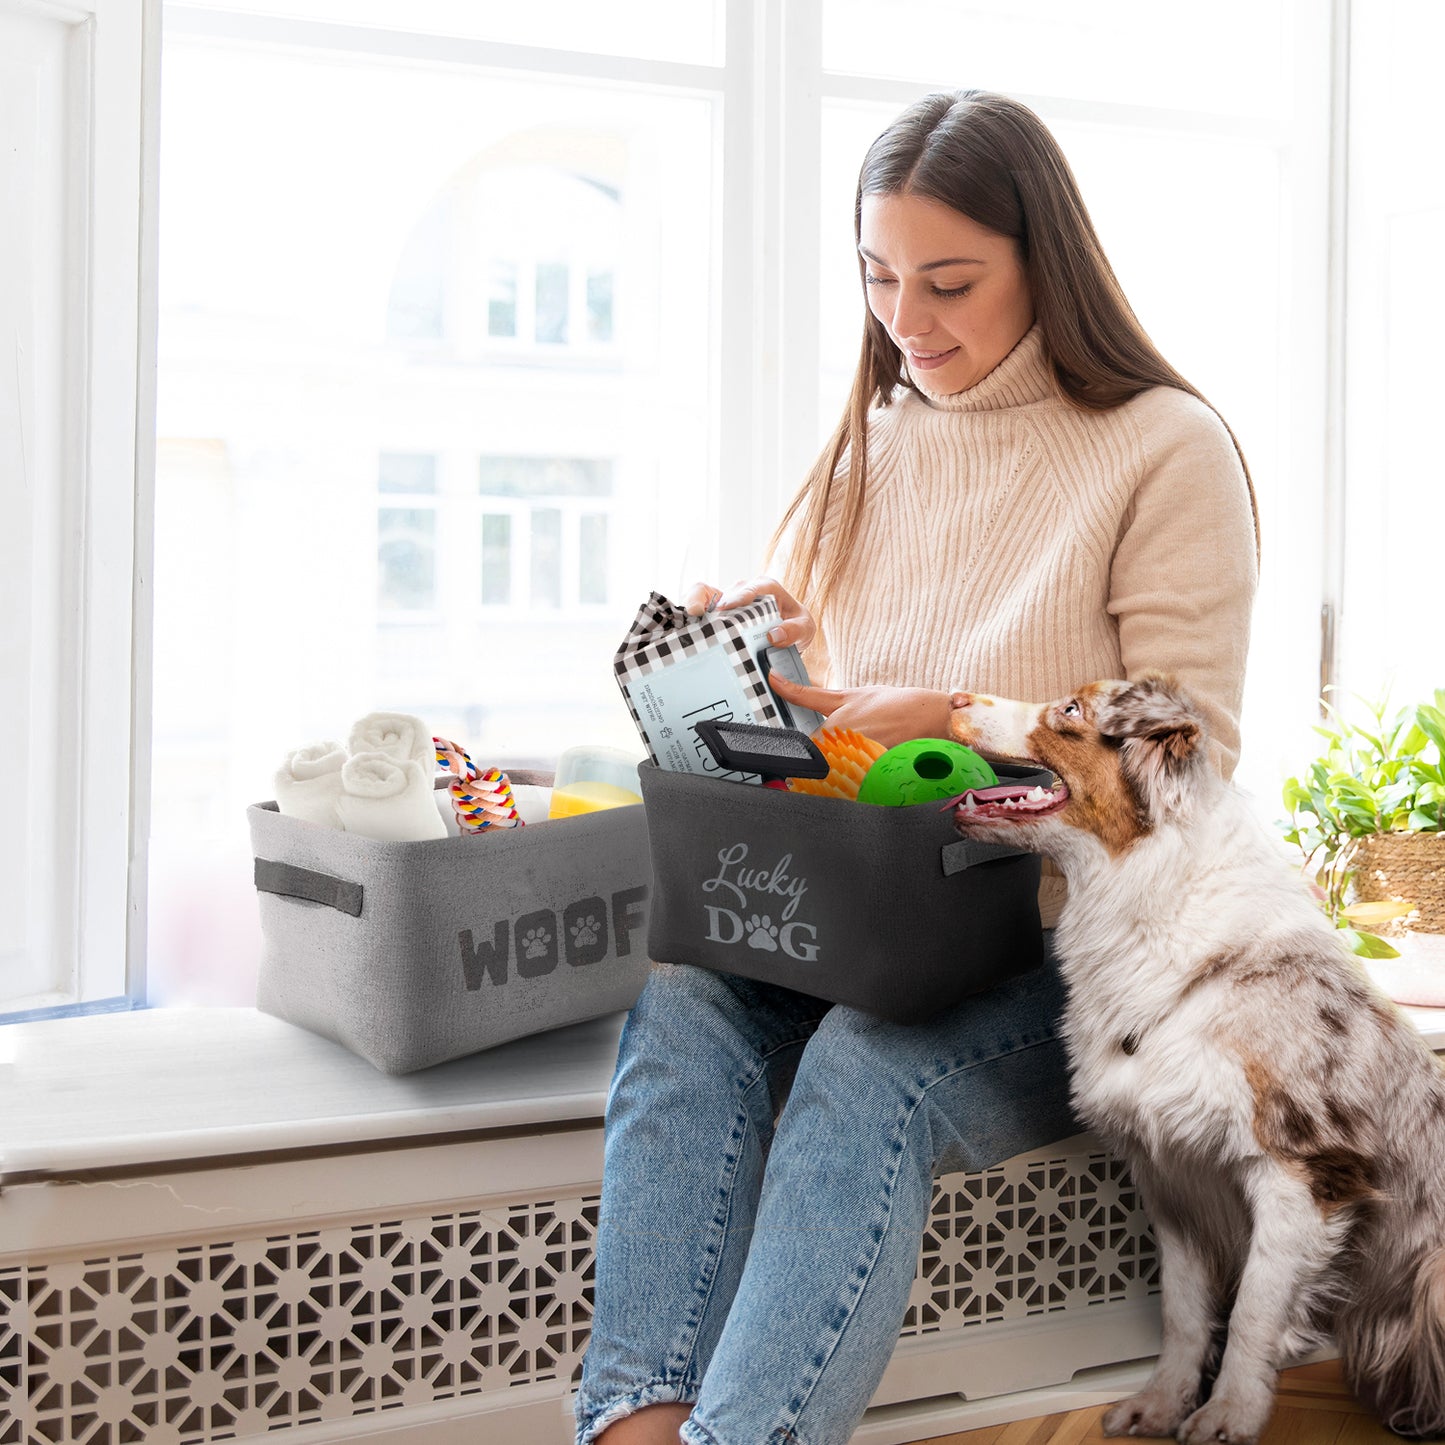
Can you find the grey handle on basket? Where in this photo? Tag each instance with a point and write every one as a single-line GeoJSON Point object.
{"type": "Point", "coordinates": [965, 853]}
{"type": "Point", "coordinates": [289, 881]}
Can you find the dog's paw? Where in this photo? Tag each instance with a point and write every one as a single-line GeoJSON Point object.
{"type": "Point", "coordinates": [1156, 1414]}
{"type": "Point", "coordinates": [1225, 1422]}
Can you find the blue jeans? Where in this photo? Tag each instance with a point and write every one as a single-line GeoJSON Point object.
{"type": "Point", "coordinates": [768, 1175]}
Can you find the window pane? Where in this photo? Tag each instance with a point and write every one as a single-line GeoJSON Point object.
{"type": "Point", "coordinates": [283, 241]}
{"type": "Point", "coordinates": [496, 561]}
{"type": "Point", "coordinates": [552, 285]}
{"type": "Point", "coordinates": [592, 567]}
{"type": "Point", "coordinates": [405, 472]}
{"type": "Point", "coordinates": [502, 303]}
{"type": "Point", "coordinates": [546, 557]}
{"type": "Point", "coordinates": [406, 559]}
{"type": "Point", "coordinates": [599, 306]}
{"type": "Point", "coordinates": [1391, 633]}
{"type": "Point", "coordinates": [1229, 57]}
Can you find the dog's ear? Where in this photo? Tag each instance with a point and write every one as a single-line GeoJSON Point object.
{"type": "Point", "coordinates": [1161, 737]}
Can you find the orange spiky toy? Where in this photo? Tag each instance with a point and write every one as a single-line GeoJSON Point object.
{"type": "Point", "coordinates": [849, 756]}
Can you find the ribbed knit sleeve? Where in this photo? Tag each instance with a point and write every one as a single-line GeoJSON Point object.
{"type": "Point", "coordinates": [1183, 575]}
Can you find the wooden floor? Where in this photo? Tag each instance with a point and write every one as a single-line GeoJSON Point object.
{"type": "Point", "coordinates": [1313, 1408]}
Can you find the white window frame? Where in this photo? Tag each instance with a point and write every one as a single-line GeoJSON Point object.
{"type": "Point", "coordinates": [91, 644]}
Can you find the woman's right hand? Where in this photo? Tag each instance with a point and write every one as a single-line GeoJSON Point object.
{"type": "Point", "coordinates": [796, 628]}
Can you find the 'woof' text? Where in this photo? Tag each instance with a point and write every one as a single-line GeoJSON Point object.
{"type": "Point", "coordinates": [539, 940]}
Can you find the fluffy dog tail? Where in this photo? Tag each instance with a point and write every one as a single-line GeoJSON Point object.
{"type": "Point", "coordinates": [1392, 1342]}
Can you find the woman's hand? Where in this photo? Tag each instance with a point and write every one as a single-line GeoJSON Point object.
{"type": "Point", "coordinates": [888, 715]}
{"type": "Point", "coordinates": [796, 628]}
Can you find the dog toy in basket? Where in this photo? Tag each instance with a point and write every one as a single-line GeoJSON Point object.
{"type": "Point", "coordinates": [482, 801]}
{"type": "Point", "coordinates": [925, 770]}
{"type": "Point", "coordinates": [849, 756]}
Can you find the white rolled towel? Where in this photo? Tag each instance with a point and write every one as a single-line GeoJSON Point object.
{"type": "Point", "coordinates": [442, 797]}
{"type": "Point", "coordinates": [399, 735]}
{"type": "Point", "coordinates": [387, 799]}
{"type": "Point", "coordinates": [308, 783]}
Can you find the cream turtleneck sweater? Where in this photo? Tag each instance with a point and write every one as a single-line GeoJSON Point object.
{"type": "Point", "coordinates": [1013, 543]}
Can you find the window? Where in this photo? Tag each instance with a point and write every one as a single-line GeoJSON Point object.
{"type": "Point", "coordinates": [514, 253]}
{"type": "Point", "coordinates": [542, 543]}
{"type": "Point", "coordinates": [492, 320]}
{"type": "Point", "coordinates": [477, 325]}
{"type": "Point", "coordinates": [502, 300]}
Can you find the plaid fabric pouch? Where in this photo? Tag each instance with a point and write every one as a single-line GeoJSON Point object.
{"type": "Point", "coordinates": [675, 670]}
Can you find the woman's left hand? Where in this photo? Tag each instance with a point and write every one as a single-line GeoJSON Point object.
{"type": "Point", "coordinates": [888, 715]}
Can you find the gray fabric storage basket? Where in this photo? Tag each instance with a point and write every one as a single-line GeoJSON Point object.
{"type": "Point", "coordinates": [885, 909]}
{"type": "Point", "coordinates": [410, 954]}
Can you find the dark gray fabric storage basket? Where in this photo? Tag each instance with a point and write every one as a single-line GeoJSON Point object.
{"type": "Point", "coordinates": [885, 909]}
{"type": "Point", "coordinates": [410, 954]}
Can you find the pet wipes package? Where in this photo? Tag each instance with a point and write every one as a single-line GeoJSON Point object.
{"type": "Point", "coordinates": [410, 954]}
{"type": "Point", "coordinates": [675, 670]}
{"type": "Point", "coordinates": [885, 909]}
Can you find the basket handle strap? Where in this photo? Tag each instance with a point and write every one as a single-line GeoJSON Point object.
{"type": "Point", "coordinates": [289, 881]}
{"type": "Point", "coordinates": [965, 853]}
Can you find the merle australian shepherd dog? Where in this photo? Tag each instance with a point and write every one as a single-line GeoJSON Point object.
{"type": "Point", "coordinates": [1284, 1124]}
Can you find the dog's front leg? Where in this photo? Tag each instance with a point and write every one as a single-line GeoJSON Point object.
{"type": "Point", "coordinates": [1290, 1246]}
{"type": "Point", "coordinates": [1190, 1308]}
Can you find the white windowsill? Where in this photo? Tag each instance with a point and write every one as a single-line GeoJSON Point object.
{"type": "Point", "coordinates": [162, 1086]}
{"type": "Point", "coordinates": [124, 1091]}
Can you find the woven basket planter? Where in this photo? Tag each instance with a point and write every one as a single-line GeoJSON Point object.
{"type": "Point", "coordinates": [1399, 868]}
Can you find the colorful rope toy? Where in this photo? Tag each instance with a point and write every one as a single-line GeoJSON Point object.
{"type": "Point", "coordinates": [482, 801]}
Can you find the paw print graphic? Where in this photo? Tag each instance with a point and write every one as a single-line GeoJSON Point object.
{"type": "Point", "coordinates": [535, 942]}
{"type": "Point", "coordinates": [763, 933]}
{"type": "Point", "coordinates": [584, 932]}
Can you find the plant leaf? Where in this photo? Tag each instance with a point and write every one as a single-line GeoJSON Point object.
{"type": "Point", "coordinates": [1368, 945]}
{"type": "Point", "coordinates": [1432, 721]}
{"type": "Point", "coordinates": [1294, 793]}
{"type": "Point", "coordinates": [1414, 742]}
{"type": "Point", "coordinates": [1371, 915]}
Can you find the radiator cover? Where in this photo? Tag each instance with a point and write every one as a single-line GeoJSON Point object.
{"type": "Point", "coordinates": [249, 1333]}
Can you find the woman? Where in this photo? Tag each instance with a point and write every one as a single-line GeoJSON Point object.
{"type": "Point", "coordinates": [1022, 496]}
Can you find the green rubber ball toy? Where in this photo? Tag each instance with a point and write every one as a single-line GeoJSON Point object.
{"type": "Point", "coordinates": [925, 770]}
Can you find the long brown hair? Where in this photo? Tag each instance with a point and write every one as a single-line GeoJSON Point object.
{"type": "Point", "coordinates": [994, 161]}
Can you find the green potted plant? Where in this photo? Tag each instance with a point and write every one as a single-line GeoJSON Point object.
{"type": "Point", "coordinates": [1368, 814]}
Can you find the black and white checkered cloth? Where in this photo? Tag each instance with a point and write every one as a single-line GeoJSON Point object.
{"type": "Point", "coordinates": [662, 633]}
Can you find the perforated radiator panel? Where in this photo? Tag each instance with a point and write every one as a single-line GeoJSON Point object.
{"type": "Point", "coordinates": [239, 1337]}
